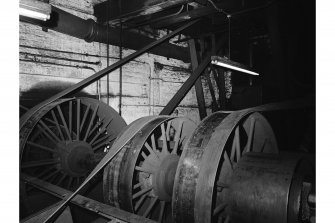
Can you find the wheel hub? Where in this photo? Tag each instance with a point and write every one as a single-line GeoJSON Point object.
{"type": "Point", "coordinates": [164, 177]}
{"type": "Point", "coordinates": [74, 157]}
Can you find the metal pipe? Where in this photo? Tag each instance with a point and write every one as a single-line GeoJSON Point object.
{"type": "Point", "coordinates": [90, 31]}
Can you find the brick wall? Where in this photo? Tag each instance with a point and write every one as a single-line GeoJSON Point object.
{"type": "Point", "coordinates": [51, 61]}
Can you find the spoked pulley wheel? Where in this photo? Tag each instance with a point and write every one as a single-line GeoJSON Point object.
{"type": "Point", "coordinates": [140, 179]}
{"type": "Point", "coordinates": [63, 141]}
{"type": "Point", "coordinates": [207, 163]}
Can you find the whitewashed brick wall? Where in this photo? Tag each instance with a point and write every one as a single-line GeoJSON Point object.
{"type": "Point", "coordinates": [149, 82]}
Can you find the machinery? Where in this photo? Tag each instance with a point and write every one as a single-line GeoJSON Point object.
{"type": "Point", "coordinates": [63, 142]}
{"type": "Point", "coordinates": [226, 169]}
{"type": "Point", "coordinates": [80, 161]}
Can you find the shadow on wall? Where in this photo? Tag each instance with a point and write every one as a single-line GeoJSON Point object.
{"type": "Point", "coordinates": [44, 90]}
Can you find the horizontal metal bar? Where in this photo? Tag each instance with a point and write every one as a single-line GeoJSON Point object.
{"type": "Point", "coordinates": [88, 204]}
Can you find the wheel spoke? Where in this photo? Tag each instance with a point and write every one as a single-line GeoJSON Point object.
{"type": "Point", "coordinates": [49, 130]}
{"type": "Point", "coordinates": [153, 142]}
{"type": "Point", "coordinates": [161, 211]}
{"type": "Point", "coordinates": [85, 116]}
{"type": "Point", "coordinates": [91, 122]}
{"type": "Point", "coordinates": [144, 191]}
{"type": "Point", "coordinates": [251, 135]}
{"type": "Point", "coordinates": [105, 137]}
{"type": "Point", "coordinates": [233, 149]}
{"type": "Point", "coordinates": [168, 130]}
{"type": "Point", "coordinates": [51, 175]}
{"type": "Point", "coordinates": [220, 218]}
{"type": "Point", "coordinates": [41, 147]}
{"type": "Point", "coordinates": [70, 182]}
{"type": "Point", "coordinates": [44, 171]}
{"type": "Point", "coordinates": [142, 169]}
{"type": "Point", "coordinates": [103, 130]}
{"type": "Point", "coordinates": [150, 207]}
{"type": "Point", "coordinates": [104, 142]}
{"type": "Point", "coordinates": [227, 160]}
{"type": "Point", "coordinates": [263, 145]}
{"type": "Point", "coordinates": [97, 125]}
{"type": "Point", "coordinates": [222, 184]}
{"type": "Point", "coordinates": [139, 202]}
{"type": "Point", "coordinates": [227, 219]}
{"type": "Point", "coordinates": [165, 147]}
{"type": "Point", "coordinates": [64, 123]}
{"type": "Point", "coordinates": [46, 134]}
{"type": "Point", "coordinates": [57, 125]}
{"type": "Point", "coordinates": [138, 185]}
{"type": "Point", "coordinates": [24, 108]}
{"type": "Point", "coordinates": [143, 155]}
{"type": "Point", "coordinates": [219, 209]}
{"type": "Point", "coordinates": [61, 179]}
{"type": "Point", "coordinates": [236, 144]}
{"type": "Point", "coordinates": [177, 138]}
{"type": "Point", "coordinates": [78, 119]}
{"type": "Point", "coordinates": [54, 177]}
{"type": "Point", "coordinates": [39, 163]}
{"type": "Point", "coordinates": [151, 150]}
{"type": "Point", "coordinates": [238, 147]}
{"type": "Point", "coordinates": [78, 181]}
{"type": "Point", "coordinates": [107, 123]}
{"type": "Point", "coordinates": [70, 117]}
{"type": "Point", "coordinates": [100, 145]}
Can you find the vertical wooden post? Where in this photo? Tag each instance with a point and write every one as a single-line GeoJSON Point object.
{"type": "Point", "coordinates": [198, 85]}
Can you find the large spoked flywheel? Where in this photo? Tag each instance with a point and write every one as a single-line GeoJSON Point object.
{"type": "Point", "coordinates": [64, 140]}
{"type": "Point", "coordinates": [208, 160]}
{"type": "Point", "coordinates": [140, 179]}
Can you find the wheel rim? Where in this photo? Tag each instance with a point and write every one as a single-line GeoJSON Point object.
{"type": "Point", "coordinates": [208, 159]}
{"type": "Point", "coordinates": [64, 140]}
{"type": "Point", "coordinates": [145, 182]}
